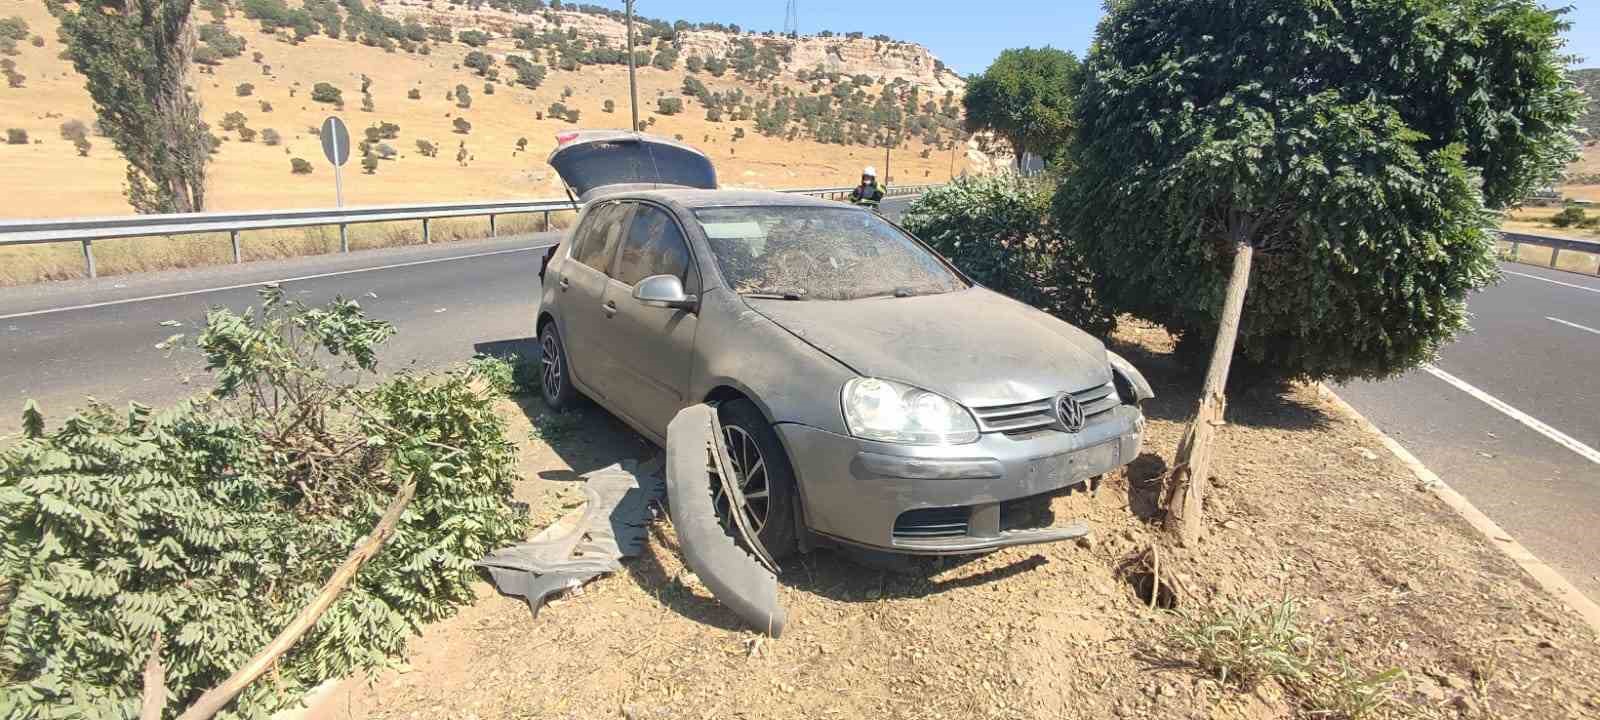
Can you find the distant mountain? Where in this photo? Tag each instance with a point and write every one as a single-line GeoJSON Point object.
{"type": "Point", "coordinates": [1588, 80]}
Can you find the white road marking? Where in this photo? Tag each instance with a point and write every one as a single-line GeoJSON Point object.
{"type": "Point", "coordinates": [1569, 323]}
{"type": "Point", "coordinates": [259, 283]}
{"type": "Point", "coordinates": [1537, 425]}
{"type": "Point", "coordinates": [1548, 280]}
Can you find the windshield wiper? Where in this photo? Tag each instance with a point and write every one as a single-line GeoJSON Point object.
{"type": "Point", "coordinates": [899, 292]}
{"type": "Point", "coordinates": [775, 295]}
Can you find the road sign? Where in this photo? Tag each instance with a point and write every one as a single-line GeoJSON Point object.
{"type": "Point", "coordinates": [336, 147]}
{"type": "Point", "coordinates": [335, 141]}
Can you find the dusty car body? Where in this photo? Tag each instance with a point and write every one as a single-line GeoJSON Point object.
{"type": "Point", "coordinates": [871, 394]}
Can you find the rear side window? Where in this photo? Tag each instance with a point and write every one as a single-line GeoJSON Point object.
{"type": "Point", "coordinates": [653, 246]}
{"type": "Point", "coordinates": [597, 239]}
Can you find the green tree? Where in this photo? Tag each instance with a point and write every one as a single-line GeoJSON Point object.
{"type": "Point", "coordinates": [609, 106]}
{"type": "Point", "coordinates": [299, 166]}
{"type": "Point", "coordinates": [1025, 96]}
{"type": "Point", "coordinates": [1313, 141]}
{"type": "Point", "coordinates": [135, 62]}
{"type": "Point", "coordinates": [462, 126]}
{"type": "Point", "coordinates": [479, 61]}
{"type": "Point", "coordinates": [474, 38]}
{"type": "Point", "coordinates": [325, 93]}
{"type": "Point", "coordinates": [669, 106]}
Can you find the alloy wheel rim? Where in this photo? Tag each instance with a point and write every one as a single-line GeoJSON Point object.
{"type": "Point", "coordinates": [750, 472]}
{"type": "Point", "coordinates": [550, 372]}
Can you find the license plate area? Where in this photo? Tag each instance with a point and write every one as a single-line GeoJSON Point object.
{"type": "Point", "coordinates": [1058, 470]}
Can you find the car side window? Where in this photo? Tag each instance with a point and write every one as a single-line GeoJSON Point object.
{"type": "Point", "coordinates": [654, 246]}
{"type": "Point", "coordinates": [599, 236]}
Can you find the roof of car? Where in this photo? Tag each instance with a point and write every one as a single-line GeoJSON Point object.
{"type": "Point", "coordinates": [691, 199]}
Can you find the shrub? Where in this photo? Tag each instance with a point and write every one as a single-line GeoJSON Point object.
{"type": "Point", "coordinates": [669, 106]}
{"type": "Point", "coordinates": [299, 166]}
{"type": "Point", "coordinates": [997, 230]}
{"type": "Point", "coordinates": [16, 136]}
{"type": "Point", "coordinates": [522, 143]}
{"type": "Point", "coordinates": [74, 130]}
{"type": "Point", "coordinates": [475, 38]}
{"type": "Point", "coordinates": [36, 41]}
{"type": "Point", "coordinates": [366, 103]}
{"type": "Point", "coordinates": [479, 61]}
{"type": "Point", "coordinates": [82, 145]}
{"type": "Point", "coordinates": [385, 151]}
{"type": "Point", "coordinates": [488, 88]}
{"type": "Point", "coordinates": [13, 28]}
{"type": "Point", "coordinates": [427, 149]}
{"type": "Point", "coordinates": [369, 163]}
{"type": "Point", "coordinates": [265, 106]}
{"type": "Point", "coordinates": [462, 126]}
{"type": "Point", "coordinates": [244, 90]}
{"type": "Point", "coordinates": [694, 64]}
{"type": "Point", "coordinates": [207, 56]}
{"type": "Point", "coordinates": [234, 121]}
{"type": "Point", "coordinates": [325, 93]}
{"type": "Point", "coordinates": [247, 135]}
{"type": "Point", "coordinates": [212, 525]}
{"type": "Point", "coordinates": [1568, 217]}
{"type": "Point", "coordinates": [463, 100]}
{"type": "Point", "coordinates": [257, 57]}
{"type": "Point", "coordinates": [270, 137]}
{"type": "Point", "coordinates": [414, 94]}
{"type": "Point", "coordinates": [609, 106]}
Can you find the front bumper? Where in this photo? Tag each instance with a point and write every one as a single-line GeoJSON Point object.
{"type": "Point", "coordinates": [947, 499]}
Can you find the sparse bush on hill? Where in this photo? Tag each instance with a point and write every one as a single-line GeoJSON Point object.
{"type": "Point", "coordinates": [247, 135]}
{"type": "Point", "coordinates": [665, 59]}
{"type": "Point", "coordinates": [36, 41]}
{"type": "Point", "coordinates": [217, 37]}
{"type": "Point", "coordinates": [14, 28]}
{"type": "Point", "coordinates": [234, 121]}
{"type": "Point", "coordinates": [713, 114]}
{"type": "Point", "coordinates": [206, 56]}
{"type": "Point", "coordinates": [256, 57]}
{"type": "Point", "coordinates": [694, 64]}
{"type": "Point", "coordinates": [609, 106]}
{"type": "Point", "coordinates": [366, 103]}
{"type": "Point", "coordinates": [488, 88]}
{"type": "Point", "coordinates": [522, 143]}
{"type": "Point", "coordinates": [462, 126]}
{"type": "Point", "coordinates": [74, 130]}
{"type": "Point", "coordinates": [326, 93]}
{"type": "Point", "coordinates": [427, 149]}
{"type": "Point", "coordinates": [474, 38]}
{"type": "Point", "coordinates": [1569, 217]}
{"type": "Point", "coordinates": [270, 137]}
{"type": "Point", "coordinates": [82, 145]}
{"type": "Point", "coordinates": [385, 151]}
{"type": "Point", "coordinates": [529, 75]}
{"type": "Point", "coordinates": [16, 136]}
{"type": "Point", "coordinates": [265, 106]}
{"type": "Point", "coordinates": [244, 90]}
{"type": "Point", "coordinates": [669, 106]}
{"type": "Point", "coordinates": [463, 100]}
{"type": "Point", "coordinates": [299, 166]}
{"type": "Point", "coordinates": [369, 163]}
{"type": "Point", "coordinates": [694, 88]}
{"type": "Point", "coordinates": [479, 61]}
{"type": "Point", "coordinates": [414, 94]}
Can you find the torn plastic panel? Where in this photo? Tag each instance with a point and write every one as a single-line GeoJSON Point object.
{"type": "Point", "coordinates": [611, 525]}
{"type": "Point", "coordinates": [733, 574]}
{"type": "Point", "coordinates": [1130, 382]}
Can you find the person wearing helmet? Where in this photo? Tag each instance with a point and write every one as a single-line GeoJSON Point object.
{"type": "Point", "coordinates": [869, 193]}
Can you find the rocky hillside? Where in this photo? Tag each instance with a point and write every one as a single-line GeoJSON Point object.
{"type": "Point", "coordinates": [455, 102]}
{"type": "Point", "coordinates": [1588, 80]}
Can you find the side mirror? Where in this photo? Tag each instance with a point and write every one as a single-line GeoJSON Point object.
{"type": "Point", "coordinates": [663, 291]}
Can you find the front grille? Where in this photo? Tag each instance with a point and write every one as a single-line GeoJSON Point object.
{"type": "Point", "coordinates": [1023, 418]}
{"type": "Point", "coordinates": [932, 523]}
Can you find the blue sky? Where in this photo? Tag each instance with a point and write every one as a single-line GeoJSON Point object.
{"type": "Point", "coordinates": [968, 34]}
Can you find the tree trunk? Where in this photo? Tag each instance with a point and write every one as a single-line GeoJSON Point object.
{"type": "Point", "coordinates": [1192, 467]}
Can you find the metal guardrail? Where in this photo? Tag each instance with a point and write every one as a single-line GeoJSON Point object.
{"type": "Point", "coordinates": [87, 230]}
{"type": "Point", "coordinates": [1556, 245]}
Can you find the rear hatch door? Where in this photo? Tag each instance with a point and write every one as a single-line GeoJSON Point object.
{"type": "Point", "coordinates": [595, 161]}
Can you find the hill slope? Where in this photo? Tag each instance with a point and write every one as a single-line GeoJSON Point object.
{"type": "Point", "coordinates": [791, 114]}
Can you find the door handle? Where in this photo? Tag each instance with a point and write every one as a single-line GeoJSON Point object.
{"type": "Point", "coordinates": [565, 283]}
{"type": "Point", "coordinates": [610, 308]}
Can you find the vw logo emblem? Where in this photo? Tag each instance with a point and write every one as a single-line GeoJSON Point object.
{"type": "Point", "coordinates": [1069, 413]}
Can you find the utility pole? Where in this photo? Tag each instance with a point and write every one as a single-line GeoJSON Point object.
{"type": "Point", "coordinates": [633, 85]}
{"type": "Point", "coordinates": [886, 163]}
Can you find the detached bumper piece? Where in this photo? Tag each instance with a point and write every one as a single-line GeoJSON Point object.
{"type": "Point", "coordinates": [738, 578]}
{"type": "Point", "coordinates": [591, 541]}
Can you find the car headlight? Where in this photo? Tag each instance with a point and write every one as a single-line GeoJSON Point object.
{"type": "Point", "coordinates": [895, 412]}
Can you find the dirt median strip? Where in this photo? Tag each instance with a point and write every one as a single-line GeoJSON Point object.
{"type": "Point", "coordinates": [1542, 573]}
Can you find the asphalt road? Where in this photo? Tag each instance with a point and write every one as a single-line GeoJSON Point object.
{"type": "Point", "coordinates": [63, 342]}
{"type": "Point", "coordinates": [1532, 337]}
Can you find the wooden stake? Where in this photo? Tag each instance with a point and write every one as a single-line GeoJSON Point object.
{"type": "Point", "coordinates": [218, 697]}
{"type": "Point", "coordinates": [1192, 467]}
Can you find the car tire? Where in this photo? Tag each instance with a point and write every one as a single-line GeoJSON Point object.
{"type": "Point", "coordinates": [745, 428]}
{"type": "Point", "coordinates": [555, 374]}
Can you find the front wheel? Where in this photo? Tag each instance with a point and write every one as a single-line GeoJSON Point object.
{"type": "Point", "coordinates": [765, 477]}
{"type": "Point", "coordinates": [555, 374]}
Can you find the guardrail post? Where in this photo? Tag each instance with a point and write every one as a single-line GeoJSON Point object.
{"type": "Point", "coordinates": [1515, 248]}
{"type": "Point", "coordinates": [547, 221]}
{"type": "Point", "coordinates": [88, 257]}
{"type": "Point", "coordinates": [426, 237]}
{"type": "Point", "coordinates": [492, 232]}
{"type": "Point", "coordinates": [233, 235]}
{"type": "Point", "coordinates": [344, 238]}
{"type": "Point", "coordinates": [1555, 252]}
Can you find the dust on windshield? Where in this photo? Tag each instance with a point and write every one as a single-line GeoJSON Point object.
{"type": "Point", "coordinates": [820, 253]}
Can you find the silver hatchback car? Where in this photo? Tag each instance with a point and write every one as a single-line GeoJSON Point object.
{"type": "Point", "coordinates": [870, 393]}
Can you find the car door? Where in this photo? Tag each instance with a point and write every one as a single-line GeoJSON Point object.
{"type": "Point", "coordinates": [582, 295]}
{"type": "Point", "coordinates": [652, 346]}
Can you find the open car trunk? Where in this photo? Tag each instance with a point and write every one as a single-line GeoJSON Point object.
{"type": "Point", "coordinates": [595, 161]}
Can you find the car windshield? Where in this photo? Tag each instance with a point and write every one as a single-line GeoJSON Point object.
{"type": "Point", "coordinates": [820, 253]}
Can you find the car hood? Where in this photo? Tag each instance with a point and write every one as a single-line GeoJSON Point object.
{"type": "Point", "coordinates": [975, 346]}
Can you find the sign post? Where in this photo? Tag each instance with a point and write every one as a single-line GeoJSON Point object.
{"type": "Point", "coordinates": [336, 147]}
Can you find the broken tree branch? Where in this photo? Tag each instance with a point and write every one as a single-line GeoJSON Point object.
{"type": "Point", "coordinates": [155, 682]}
{"type": "Point", "coordinates": [213, 700]}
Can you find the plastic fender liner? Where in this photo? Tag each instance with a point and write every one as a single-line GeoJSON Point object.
{"type": "Point", "coordinates": [736, 577]}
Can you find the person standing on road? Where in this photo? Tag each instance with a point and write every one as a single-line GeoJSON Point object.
{"type": "Point", "coordinates": [868, 193]}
